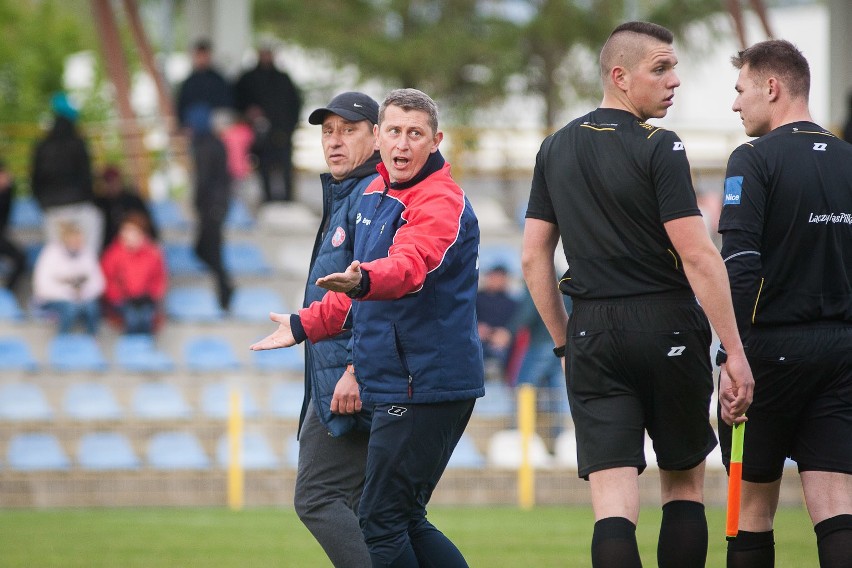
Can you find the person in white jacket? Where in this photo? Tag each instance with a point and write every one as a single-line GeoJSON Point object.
{"type": "Point", "coordinates": [68, 282]}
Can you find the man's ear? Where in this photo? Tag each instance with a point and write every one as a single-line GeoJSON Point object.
{"type": "Point", "coordinates": [773, 89]}
{"type": "Point", "coordinates": [619, 77]}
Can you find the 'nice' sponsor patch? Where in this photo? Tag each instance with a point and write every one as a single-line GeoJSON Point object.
{"type": "Point", "coordinates": [733, 190]}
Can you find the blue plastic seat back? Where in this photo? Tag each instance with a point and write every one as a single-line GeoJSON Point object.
{"type": "Point", "coordinates": [36, 451]}
{"type": "Point", "coordinates": [23, 401]}
{"type": "Point", "coordinates": [209, 354]}
{"type": "Point", "coordinates": [192, 304]}
{"type": "Point", "coordinates": [176, 450]}
{"type": "Point", "coordinates": [75, 352]}
{"type": "Point", "coordinates": [239, 217]}
{"type": "Point", "coordinates": [216, 401]}
{"type": "Point", "coordinates": [253, 303]}
{"type": "Point", "coordinates": [499, 401]}
{"type": "Point", "coordinates": [167, 214]}
{"type": "Point", "coordinates": [256, 452]}
{"type": "Point", "coordinates": [139, 353]}
{"type": "Point", "coordinates": [10, 310]}
{"type": "Point", "coordinates": [285, 399]}
{"type": "Point", "coordinates": [466, 455]}
{"type": "Point", "coordinates": [15, 355]}
{"type": "Point", "coordinates": [182, 261]}
{"type": "Point", "coordinates": [91, 401]}
{"type": "Point", "coordinates": [159, 401]}
{"type": "Point", "coordinates": [103, 451]}
{"type": "Point", "coordinates": [245, 259]}
{"type": "Point", "coordinates": [26, 214]}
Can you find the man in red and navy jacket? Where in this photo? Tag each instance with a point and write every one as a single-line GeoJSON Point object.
{"type": "Point", "coordinates": [411, 294]}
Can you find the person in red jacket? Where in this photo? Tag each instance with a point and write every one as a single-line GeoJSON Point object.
{"type": "Point", "coordinates": [135, 276]}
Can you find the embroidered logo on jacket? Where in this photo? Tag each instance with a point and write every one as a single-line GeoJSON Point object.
{"type": "Point", "coordinates": [338, 237]}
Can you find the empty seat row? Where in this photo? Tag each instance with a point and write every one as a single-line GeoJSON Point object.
{"type": "Point", "coordinates": [190, 304]}
{"type": "Point", "coordinates": [167, 214]}
{"type": "Point", "coordinates": [240, 259]}
{"type": "Point", "coordinates": [171, 450]}
{"type": "Point", "coordinates": [149, 401]}
{"type": "Point", "coordinates": [103, 451]}
{"type": "Point", "coordinates": [139, 353]}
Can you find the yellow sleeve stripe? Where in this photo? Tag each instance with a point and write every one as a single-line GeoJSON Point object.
{"type": "Point", "coordinates": [830, 135]}
{"type": "Point", "coordinates": [756, 300]}
{"type": "Point", "coordinates": [590, 127]}
{"type": "Point", "coordinates": [674, 256]}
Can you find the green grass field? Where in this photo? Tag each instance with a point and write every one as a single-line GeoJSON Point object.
{"type": "Point", "coordinates": [492, 537]}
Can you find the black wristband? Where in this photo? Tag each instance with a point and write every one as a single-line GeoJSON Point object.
{"type": "Point", "coordinates": [721, 357]}
{"type": "Point", "coordinates": [559, 351]}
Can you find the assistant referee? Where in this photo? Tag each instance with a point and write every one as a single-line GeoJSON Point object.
{"type": "Point", "coordinates": [619, 193]}
{"type": "Point", "coordinates": [787, 242]}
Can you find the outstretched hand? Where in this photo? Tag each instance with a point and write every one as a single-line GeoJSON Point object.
{"type": "Point", "coordinates": [736, 389]}
{"type": "Point", "coordinates": [342, 281]}
{"type": "Point", "coordinates": [281, 337]}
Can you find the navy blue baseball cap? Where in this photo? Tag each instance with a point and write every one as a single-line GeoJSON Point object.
{"type": "Point", "coordinates": [351, 105]}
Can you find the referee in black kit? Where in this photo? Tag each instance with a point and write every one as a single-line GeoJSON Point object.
{"type": "Point", "coordinates": [619, 193]}
{"type": "Point", "coordinates": [787, 243]}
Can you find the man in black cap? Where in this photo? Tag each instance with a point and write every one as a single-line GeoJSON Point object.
{"type": "Point", "coordinates": [333, 429]}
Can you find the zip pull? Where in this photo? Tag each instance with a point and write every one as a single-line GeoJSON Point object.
{"type": "Point", "coordinates": [410, 386]}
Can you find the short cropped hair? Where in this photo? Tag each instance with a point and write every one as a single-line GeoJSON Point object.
{"type": "Point", "coordinates": [411, 99]}
{"type": "Point", "coordinates": [616, 52]}
{"type": "Point", "coordinates": [778, 57]}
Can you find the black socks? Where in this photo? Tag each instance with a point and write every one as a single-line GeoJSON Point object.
{"type": "Point", "coordinates": [683, 535]}
{"type": "Point", "coordinates": [614, 544]}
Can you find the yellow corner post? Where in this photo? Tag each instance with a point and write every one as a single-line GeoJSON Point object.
{"type": "Point", "coordinates": [526, 426]}
{"type": "Point", "coordinates": [236, 486]}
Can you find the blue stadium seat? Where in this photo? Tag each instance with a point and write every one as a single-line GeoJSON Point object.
{"type": "Point", "coordinates": [291, 452]}
{"type": "Point", "coordinates": [216, 401]}
{"type": "Point", "coordinates": [26, 214]}
{"type": "Point", "coordinates": [182, 261]}
{"type": "Point", "coordinates": [176, 450]}
{"type": "Point", "coordinates": [254, 303]}
{"type": "Point", "coordinates": [159, 401]}
{"type": "Point", "coordinates": [32, 250]}
{"type": "Point", "coordinates": [138, 353]}
{"type": "Point", "coordinates": [15, 355]}
{"type": "Point", "coordinates": [75, 352]}
{"type": "Point", "coordinates": [192, 304]}
{"type": "Point", "coordinates": [168, 215]}
{"type": "Point", "coordinates": [245, 259]}
{"type": "Point", "coordinates": [466, 456]}
{"type": "Point", "coordinates": [285, 399]}
{"type": "Point", "coordinates": [91, 401]}
{"type": "Point", "coordinates": [9, 308]}
{"type": "Point", "coordinates": [239, 217]}
{"type": "Point", "coordinates": [498, 402]}
{"type": "Point", "coordinates": [23, 401]}
{"type": "Point", "coordinates": [256, 452]}
{"type": "Point", "coordinates": [278, 360]}
{"type": "Point", "coordinates": [102, 451]}
{"type": "Point", "coordinates": [36, 452]}
{"type": "Point", "coordinates": [209, 354]}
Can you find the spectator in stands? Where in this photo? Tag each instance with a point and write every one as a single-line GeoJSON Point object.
{"type": "Point", "coordinates": [62, 177]}
{"type": "Point", "coordinates": [272, 104]}
{"type": "Point", "coordinates": [411, 297]}
{"type": "Point", "coordinates": [205, 87]}
{"type": "Point", "coordinates": [538, 365]}
{"type": "Point", "coordinates": [11, 252]}
{"type": "Point", "coordinates": [135, 275]}
{"type": "Point", "coordinates": [68, 282]}
{"type": "Point", "coordinates": [847, 127]}
{"type": "Point", "coordinates": [118, 199]}
{"type": "Point", "coordinates": [238, 137]}
{"type": "Point", "coordinates": [212, 197]}
{"type": "Point", "coordinates": [495, 308]}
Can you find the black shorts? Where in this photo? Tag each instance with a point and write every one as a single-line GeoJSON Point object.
{"type": "Point", "coordinates": [635, 365]}
{"type": "Point", "coordinates": [802, 405]}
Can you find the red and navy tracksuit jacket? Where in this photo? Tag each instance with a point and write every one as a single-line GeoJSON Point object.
{"type": "Point", "coordinates": [414, 324]}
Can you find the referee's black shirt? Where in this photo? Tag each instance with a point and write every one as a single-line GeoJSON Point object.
{"type": "Point", "coordinates": [610, 181]}
{"type": "Point", "coordinates": [787, 226]}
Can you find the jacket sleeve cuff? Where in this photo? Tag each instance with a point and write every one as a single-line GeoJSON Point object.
{"type": "Point", "coordinates": [297, 328]}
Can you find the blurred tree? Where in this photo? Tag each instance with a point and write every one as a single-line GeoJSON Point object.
{"type": "Point", "coordinates": [450, 49]}
{"type": "Point", "coordinates": [37, 37]}
{"type": "Point", "coordinates": [463, 51]}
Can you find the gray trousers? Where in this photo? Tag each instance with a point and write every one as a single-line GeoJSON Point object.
{"type": "Point", "coordinates": [328, 490]}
